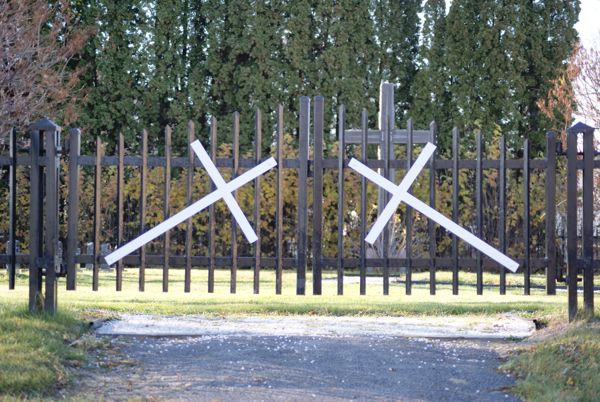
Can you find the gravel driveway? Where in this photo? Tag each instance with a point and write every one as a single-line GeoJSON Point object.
{"type": "Point", "coordinates": [246, 366]}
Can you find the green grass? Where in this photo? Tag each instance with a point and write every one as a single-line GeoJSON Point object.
{"type": "Point", "coordinates": [34, 350]}
{"type": "Point", "coordinates": [564, 368]}
{"type": "Point", "coordinates": [221, 302]}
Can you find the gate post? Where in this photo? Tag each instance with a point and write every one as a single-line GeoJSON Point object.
{"type": "Point", "coordinates": [44, 256]}
{"type": "Point", "coordinates": [587, 218]}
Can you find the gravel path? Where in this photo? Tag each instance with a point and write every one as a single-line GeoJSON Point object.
{"type": "Point", "coordinates": [276, 368]}
{"type": "Point", "coordinates": [251, 366]}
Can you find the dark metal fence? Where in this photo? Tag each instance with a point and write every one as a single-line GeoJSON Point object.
{"type": "Point", "coordinates": [310, 170]}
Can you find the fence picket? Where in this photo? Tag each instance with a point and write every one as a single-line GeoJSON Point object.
{"type": "Point", "coordinates": [211, 211]}
{"type": "Point", "coordinates": [550, 205]}
{"type": "Point", "coordinates": [588, 221]}
{"type": "Point", "coordinates": [455, 189]}
{"type": "Point", "coordinates": [340, 204]}
{"type": "Point", "coordinates": [302, 224]}
{"type": "Point", "coordinates": [318, 113]}
{"type": "Point", "coordinates": [526, 218]}
{"type": "Point", "coordinates": [363, 204]}
{"type": "Point", "coordinates": [279, 202]}
{"type": "Point", "coordinates": [384, 199]}
{"type": "Point", "coordinates": [36, 202]}
{"type": "Point", "coordinates": [234, 172]}
{"type": "Point", "coordinates": [257, 199]}
{"type": "Point", "coordinates": [431, 223]}
{"type": "Point", "coordinates": [143, 191]}
{"type": "Point", "coordinates": [97, 212]}
{"type": "Point", "coordinates": [479, 210]}
{"type": "Point", "coordinates": [12, 219]}
{"type": "Point", "coordinates": [502, 210]}
{"type": "Point", "coordinates": [73, 209]}
{"type": "Point", "coordinates": [189, 229]}
{"type": "Point", "coordinates": [120, 212]}
{"type": "Point", "coordinates": [167, 209]}
{"type": "Point", "coordinates": [409, 212]}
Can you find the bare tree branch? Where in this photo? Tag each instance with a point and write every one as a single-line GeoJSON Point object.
{"type": "Point", "coordinates": [37, 40]}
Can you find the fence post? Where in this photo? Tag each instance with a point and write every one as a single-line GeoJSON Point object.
{"type": "Point", "coordinates": [97, 213]}
{"type": "Point", "coordinates": [526, 219]}
{"type": "Point", "coordinates": [340, 205]}
{"type": "Point", "coordinates": [588, 220]}
{"type": "Point", "coordinates": [73, 217]}
{"type": "Point", "coordinates": [318, 112]}
{"type": "Point", "coordinates": [551, 213]}
{"type": "Point", "coordinates": [44, 258]}
{"type": "Point", "coordinates": [572, 221]}
{"type": "Point", "coordinates": [12, 209]}
{"type": "Point", "coordinates": [302, 227]}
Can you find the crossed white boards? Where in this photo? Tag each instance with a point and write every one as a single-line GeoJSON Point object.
{"type": "Point", "coordinates": [399, 193]}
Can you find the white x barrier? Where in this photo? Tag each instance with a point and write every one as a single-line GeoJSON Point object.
{"type": "Point", "coordinates": [223, 190]}
{"type": "Point", "coordinates": [400, 194]}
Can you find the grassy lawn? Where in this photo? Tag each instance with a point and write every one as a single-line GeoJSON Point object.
{"type": "Point", "coordinates": [563, 368]}
{"type": "Point", "coordinates": [199, 301]}
{"type": "Point", "coordinates": [34, 349]}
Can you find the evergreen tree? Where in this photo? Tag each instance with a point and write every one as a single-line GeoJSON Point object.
{"type": "Point", "coordinates": [397, 29]}
{"type": "Point", "coordinates": [167, 96]}
{"type": "Point", "coordinates": [196, 75]}
{"type": "Point", "coordinates": [229, 61]}
{"type": "Point", "coordinates": [115, 67]}
{"type": "Point", "coordinates": [546, 40]}
{"type": "Point", "coordinates": [501, 60]}
{"type": "Point", "coordinates": [347, 55]}
{"type": "Point", "coordinates": [431, 98]}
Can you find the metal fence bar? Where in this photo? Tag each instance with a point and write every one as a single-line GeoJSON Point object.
{"type": "Point", "coordinates": [36, 199]}
{"type": "Point", "coordinates": [189, 190]}
{"type": "Point", "coordinates": [302, 224]}
{"type": "Point", "coordinates": [479, 209]}
{"type": "Point", "coordinates": [97, 213]}
{"type": "Point", "coordinates": [318, 113]}
{"type": "Point", "coordinates": [409, 212]}
{"type": "Point", "coordinates": [211, 211]}
{"type": "Point", "coordinates": [279, 202]}
{"type": "Point", "coordinates": [167, 210]}
{"type": "Point", "coordinates": [363, 205]}
{"type": "Point", "coordinates": [588, 221]}
{"type": "Point", "coordinates": [572, 223]}
{"type": "Point", "coordinates": [526, 218]}
{"type": "Point", "coordinates": [120, 212]}
{"type": "Point", "coordinates": [550, 213]}
{"type": "Point", "coordinates": [383, 199]}
{"type": "Point", "coordinates": [235, 132]}
{"type": "Point", "coordinates": [52, 229]}
{"type": "Point", "coordinates": [73, 208]}
{"type": "Point", "coordinates": [12, 220]}
{"type": "Point", "coordinates": [455, 189]}
{"type": "Point", "coordinates": [257, 198]}
{"type": "Point", "coordinates": [502, 211]}
{"type": "Point", "coordinates": [430, 222]}
{"type": "Point", "coordinates": [340, 203]}
{"type": "Point", "coordinates": [143, 191]}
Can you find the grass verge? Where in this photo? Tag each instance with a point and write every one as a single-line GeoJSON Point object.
{"type": "Point", "coordinates": [562, 368]}
{"type": "Point", "coordinates": [245, 302]}
{"type": "Point", "coordinates": [35, 351]}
